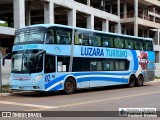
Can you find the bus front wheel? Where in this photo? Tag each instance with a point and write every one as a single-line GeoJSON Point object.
{"type": "Point", "coordinates": [69, 86]}
{"type": "Point", "coordinates": [132, 81]}
{"type": "Point", "coordinates": [139, 81]}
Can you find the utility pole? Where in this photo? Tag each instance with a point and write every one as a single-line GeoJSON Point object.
{"type": "Point", "coordinates": [0, 71]}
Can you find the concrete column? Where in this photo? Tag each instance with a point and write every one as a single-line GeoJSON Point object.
{"type": "Point", "coordinates": [118, 28]}
{"type": "Point", "coordinates": [49, 12]}
{"type": "Point", "coordinates": [105, 25]}
{"type": "Point", "coordinates": [103, 5]}
{"type": "Point", "coordinates": [90, 22]}
{"type": "Point", "coordinates": [28, 14]}
{"type": "Point", "coordinates": [72, 18]}
{"type": "Point", "coordinates": [118, 7]}
{"type": "Point", "coordinates": [135, 8]}
{"type": "Point", "coordinates": [154, 10]}
{"type": "Point", "coordinates": [135, 17]}
{"type": "Point", "coordinates": [89, 2]}
{"type": "Point", "coordinates": [143, 14]}
{"type": "Point", "coordinates": [125, 10]}
{"type": "Point", "coordinates": [135, 28]}
{"type": "Point", "coordinates": [19, 13]}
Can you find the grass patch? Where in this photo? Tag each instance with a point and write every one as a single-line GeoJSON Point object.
{"type": "Point", "coordinates": [5, 88]}
{"type": "Point", "coordinates": [156, 77]}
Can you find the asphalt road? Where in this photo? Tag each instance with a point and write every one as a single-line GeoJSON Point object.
{"type": "Point", "coordinates": [97, 99]}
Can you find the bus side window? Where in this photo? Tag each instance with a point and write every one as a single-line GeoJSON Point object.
{"type": "Point", "coordinates": [63, 64]}
{"type": "Point", "coordinates": [118, 42]}
{"type": "Point", "coordinates": [76, 39]}
{"type": "Point", "coordinates": [129, 43]}
{"type": "Point", "coordinates": [64, 36]}
{"type": "Point", "coordinates": [94, 39]}
{"type": "Point", "coordinates": [107, 41]}
{"type": "Point", "coordinates": [81, 37]}
{"type": "Point", "coordinates": [49, 64]}
{"type": "Point", "coordinates": [50, 37]}
{"type": "Point", "coordinates": [147, 45]}
{"type": "Point", "coordinates": [138, 44]}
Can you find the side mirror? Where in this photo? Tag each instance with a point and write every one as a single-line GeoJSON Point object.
{"type": "Point", "coordinates": [6, 57]}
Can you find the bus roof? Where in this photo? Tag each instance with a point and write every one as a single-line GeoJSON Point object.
{"type": "Point", "coordinates": [109, 33]}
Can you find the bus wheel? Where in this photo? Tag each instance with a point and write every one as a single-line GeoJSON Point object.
{"type": "Point", "coordinates": [69, 86]}
{"type": "Point", "coordinates": [132, 81]}
{"type": "Point", "coordinates": [140, 80]}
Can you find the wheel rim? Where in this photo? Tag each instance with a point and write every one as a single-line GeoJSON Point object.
{"type": "Point", "coordinates": [140, 80]}
{"type": "Point", "coordinates": [69, 86]}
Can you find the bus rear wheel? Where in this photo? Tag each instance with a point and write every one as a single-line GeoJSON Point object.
{"type": "Point", "coordinates": [139, 81]}
{"type": "Point", "coordinates": [131, 81]}
{"type": "Point", "coordinates": [69, 86]}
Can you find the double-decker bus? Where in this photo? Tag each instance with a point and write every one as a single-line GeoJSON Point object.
{"type": "Point", "coordinates": [52, 57]}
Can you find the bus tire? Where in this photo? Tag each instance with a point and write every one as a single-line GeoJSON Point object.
{"type": "Point", "coordinates": [132, 81]}
{"type": "Point", "coordinates": [139, 80]}
{"type": "Point", "coordinates": [69, 86]}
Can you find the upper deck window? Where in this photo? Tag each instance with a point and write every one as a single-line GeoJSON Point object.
{"type": "Point", "coordinates": [63, 35]}
{"type": "Point", "coordinates": [29, 34]}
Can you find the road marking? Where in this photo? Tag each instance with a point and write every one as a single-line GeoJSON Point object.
{"type": "Point", "coordinates": [44, 107]}
{"type": "Point", "coordinates": [27, 105]}
{"type": "Point", "coordinates": [108, 99]}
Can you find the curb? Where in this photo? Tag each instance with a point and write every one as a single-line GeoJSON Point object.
{"type": "Point", "coordinates": [154, 81]}
{"type": "Point", "coordinates": [5, 94]}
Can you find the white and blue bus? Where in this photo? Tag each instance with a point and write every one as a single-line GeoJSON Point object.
{"type": "Point", "coordinates": [52, 57]}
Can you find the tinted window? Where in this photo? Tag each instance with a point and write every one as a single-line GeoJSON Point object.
{"type": "Point", "coordinates": [119, 42]}
{"type": "Point", "coordinates": [63, 35]}
{"type": "Point", "coordinates": [50, 36]}
{"type": "Point", "coordinates": [92, 64]}
{"type": "Point", "coordinates": [107, 41]}
{"type": "Point", "coordinates": [129, 43]}
{"type": "Point", "coordinates": [138, 44]}
{"type": "Point", "coordinates": [49, 64]}
{"type": "Point", "coordinates": [148, 45]}
{"type": "Point", "coordinates": [81, 37]}
{"type": "Point", "coordinates": [94, 39]}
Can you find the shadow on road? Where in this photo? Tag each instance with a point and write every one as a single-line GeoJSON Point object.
{"type": "Point", "coordinates": [80, 91]}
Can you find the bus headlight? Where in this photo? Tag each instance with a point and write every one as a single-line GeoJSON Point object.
{"type": "Point", "coordinates": [37, 78]}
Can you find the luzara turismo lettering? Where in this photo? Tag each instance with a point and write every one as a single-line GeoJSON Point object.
{"type": "Point", "coordinates": [88, 51]}
{"type": "Point", "coordinates": [116, 53]}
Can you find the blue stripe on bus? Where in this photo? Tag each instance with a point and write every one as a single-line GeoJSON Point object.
{"type": "Point", "coordinates": [83, 79]}
{"type": "Point", "coordinates": [136, 64]}
{"type": "Point", "coordinates": [120, 80]}
{"type": "Point", "coordinates": [102, 79]}
{"type": "Point", "coordinates": [52, 82]}
{"type": "Point", "coordinates": [100, 73]}
{"type": "Point", "coordinates": [58, 87]}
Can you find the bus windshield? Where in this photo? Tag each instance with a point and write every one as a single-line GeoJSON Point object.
{"type": "Point", "coordinates": [30, 34]}
{"type": "Point", "coordinates": [25, 62]}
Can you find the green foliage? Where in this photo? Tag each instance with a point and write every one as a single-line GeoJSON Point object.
{"type": "Point", "coordinates": [156, 77]}
{"type": "Point", "coordinates": [5, 88]}
{"type": "Point", "coordinates": [4, 24]}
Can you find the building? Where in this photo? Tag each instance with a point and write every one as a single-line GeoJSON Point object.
{"type": "Point", "coordinates": [131, 17]}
